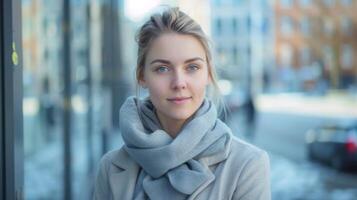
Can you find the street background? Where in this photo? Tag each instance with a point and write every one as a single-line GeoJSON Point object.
{"type": "Point", "coordinates": [284, 67]}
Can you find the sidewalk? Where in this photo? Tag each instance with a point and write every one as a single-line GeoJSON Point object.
{"type": "Point", "coordinates": [335, 104]}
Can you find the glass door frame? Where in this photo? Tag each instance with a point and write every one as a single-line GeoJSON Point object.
{"type": "Point", "coordinates": [11, 119]}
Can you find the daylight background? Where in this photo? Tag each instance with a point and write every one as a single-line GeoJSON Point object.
{"type": "Point", "coordinates": [285, 67]}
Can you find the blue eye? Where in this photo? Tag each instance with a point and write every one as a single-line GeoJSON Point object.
{"type": "Point", "coordinates": [162, 69]}
{"type": "Point", "coordinates": [192, 67]}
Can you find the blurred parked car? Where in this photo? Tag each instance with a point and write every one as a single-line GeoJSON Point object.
{"type": "Point", "coordinates": [335, 145]}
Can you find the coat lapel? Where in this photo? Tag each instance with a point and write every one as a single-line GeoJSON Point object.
{"type": "Point", "coordinates": [211, 161]}
{"type": "Point", "coordinates": [122, 178]}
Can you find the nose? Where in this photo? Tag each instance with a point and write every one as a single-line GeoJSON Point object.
{"type": "Point", "coordinates": [178, 81]}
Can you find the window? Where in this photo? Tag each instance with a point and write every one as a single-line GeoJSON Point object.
{"type": "Point", "coordinates": [286, 25]}
{"type": "Point", "coordinates": [286, 55]}
{"type": "Point", "coordinates": [346, 25]}
{"type": "Point", "coordinates": [305, 56]}
{"type": "Point", "coordinates": [248, 22]}
{"type": "Point", "coordinates": [346, 2]}
{"type": "Point", "coordinates": [218, 26]}
{"type": "Point", "coordinates": [235, 55]}
{"type": "Point", "coordinates": [305, 2]}
{"type": "Point", "coordinates": [234, 26]}
{"type": "Point", "coordinates": [305, 26]}
{"type": "Point", "coordinates": [217, 2]}
{"type": "Point", "coordinates": [265, 25]}
{"type": "Point", "coordinates": [286, 3]}
{"type": "Point", "coordinates": [328, 27]}
{"type": "Point", "coordinates": [46, 62]}
{"type": "Point", "coordinates": [346, 56]}
{"type": "Point", "coordinates": [239, 2]}
{"type": "Point", "coordinates": [328, 56]}
{"type": "Point", "coordinates": [329, 3]}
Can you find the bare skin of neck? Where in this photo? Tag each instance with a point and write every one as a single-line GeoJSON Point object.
{"type": "Point", "coordinates": [172, 127]}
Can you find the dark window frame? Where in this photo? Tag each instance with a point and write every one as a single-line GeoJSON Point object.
{"type": "Point", "coordinates": [11, 135]}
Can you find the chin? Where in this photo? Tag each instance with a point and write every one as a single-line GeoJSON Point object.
{"type": "Point", "coordinates": [180, 115]}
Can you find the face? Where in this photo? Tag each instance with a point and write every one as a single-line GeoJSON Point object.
{"type": "Point", "coordinates": [176, 75]}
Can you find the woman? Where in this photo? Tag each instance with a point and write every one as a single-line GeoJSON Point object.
{"type": "Point", "coordinates": [175, 146]}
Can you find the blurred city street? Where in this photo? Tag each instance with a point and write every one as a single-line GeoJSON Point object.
{"type": "Point", "coordinates": [286, 70]}
{"type": "Point", "coordinates": [281, 131]}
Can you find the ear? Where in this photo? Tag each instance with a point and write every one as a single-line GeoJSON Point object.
{"type": "Point", "coordinates": [141, 79]}
{"type": "Point", "coordinates": [142, 83]}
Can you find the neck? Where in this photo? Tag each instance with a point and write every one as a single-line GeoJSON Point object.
{"type": "Point", "coordinates": [171, 126]}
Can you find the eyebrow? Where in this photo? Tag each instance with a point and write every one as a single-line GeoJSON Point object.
{"type": "Point", "coordinates": [168, 62]}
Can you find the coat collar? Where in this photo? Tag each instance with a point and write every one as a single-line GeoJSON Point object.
{"type": "Point", "coordinates": [122, 178]}
{"type": "Point", "coordinates": [123, 160]}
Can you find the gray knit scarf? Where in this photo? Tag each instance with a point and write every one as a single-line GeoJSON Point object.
{"type": "Point", "coordinates": [171, 167]}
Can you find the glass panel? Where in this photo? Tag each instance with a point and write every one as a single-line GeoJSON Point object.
{"type": "Point", "coordinates": [286, 3]}
{"type": "Point", "coordinates": [346, 25]}
{"type": "Point", "coordinates": [305, 56]}
{"type": "Point", "coordinates": [347, 56]}
{"type": "Point", "coordinates": [346, 2]}
{"type": "Point", "coordinates": [43, 96]}
{"type": "Point", "coordinates": [329, 27]}
{"type": "Point", "coordinates": [42, 85]}
{"type": "Point", "coordinates": [80, 66]}
{"type": "Point", "coordinates": [286, 55]}
{"type": "Point", "coordinates": [305, 26]}
{"type": "Point", "coordinates": [329, 2]}
{"type": "Point", "coordinates": [328, 56]}
{"type": "Point", "coordinates": [305, 2]}
{"type": "Point", "coordinates": [286, 25]}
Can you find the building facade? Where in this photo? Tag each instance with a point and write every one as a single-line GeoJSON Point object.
{"type": "Point", "coordinates": [316, 44]}
{"type": "Point", "coordinates": [242, 36]}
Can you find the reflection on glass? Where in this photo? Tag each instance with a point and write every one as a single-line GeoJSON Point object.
{"type": "Point", "coordinates": [42, 86]}
{"type": "Point", "coordinates": [43, 96]}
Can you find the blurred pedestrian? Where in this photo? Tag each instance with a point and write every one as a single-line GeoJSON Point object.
{"type": "Point", "coordinates": [47, 110]}
{"type": "Point", "coordinates": [250, 116]}
{"type": "Point", "coordinates": [175, 145]}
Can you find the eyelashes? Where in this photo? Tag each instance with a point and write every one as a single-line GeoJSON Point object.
{"type": "Point", "coordinates": [193, 67]}
{"type": "Point", "coordinates": [164, 69]}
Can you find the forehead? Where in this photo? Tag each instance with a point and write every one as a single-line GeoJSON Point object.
{"type": "Point", "coordinates": [175, 47]}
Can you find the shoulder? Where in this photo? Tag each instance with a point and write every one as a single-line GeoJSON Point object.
{"type": "Point", "coordinates": [245, 157]}
{"type": "Point", "coordinates": [113, 162]}
{"type": "Point", "coordinates": [119, 158]}
{"type": "Point", "coordinates": [113, 155]}
{"type": "Point", "coordinates": [252, 166]}
{"type": "Point", "coordinates": [244, 151]}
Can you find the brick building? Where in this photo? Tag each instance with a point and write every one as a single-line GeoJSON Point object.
{"type": "Point", "coordinates": [316, 40]}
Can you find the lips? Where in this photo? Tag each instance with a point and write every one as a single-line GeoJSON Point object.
{"type": "Point", "coordinates": [179, 100]}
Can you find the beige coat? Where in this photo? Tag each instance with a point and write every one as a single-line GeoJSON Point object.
{"type": "Point", "coordinates": [243, 175]}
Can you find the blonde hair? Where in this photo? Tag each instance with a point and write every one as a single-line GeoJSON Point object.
{"type": "Point", "coordinates": [176, 21]}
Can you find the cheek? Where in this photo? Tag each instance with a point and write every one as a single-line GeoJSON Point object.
{"type": "Point", "coordinates": [200, 85]}
{"type": "Point", "coordinates": [157, 87]}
